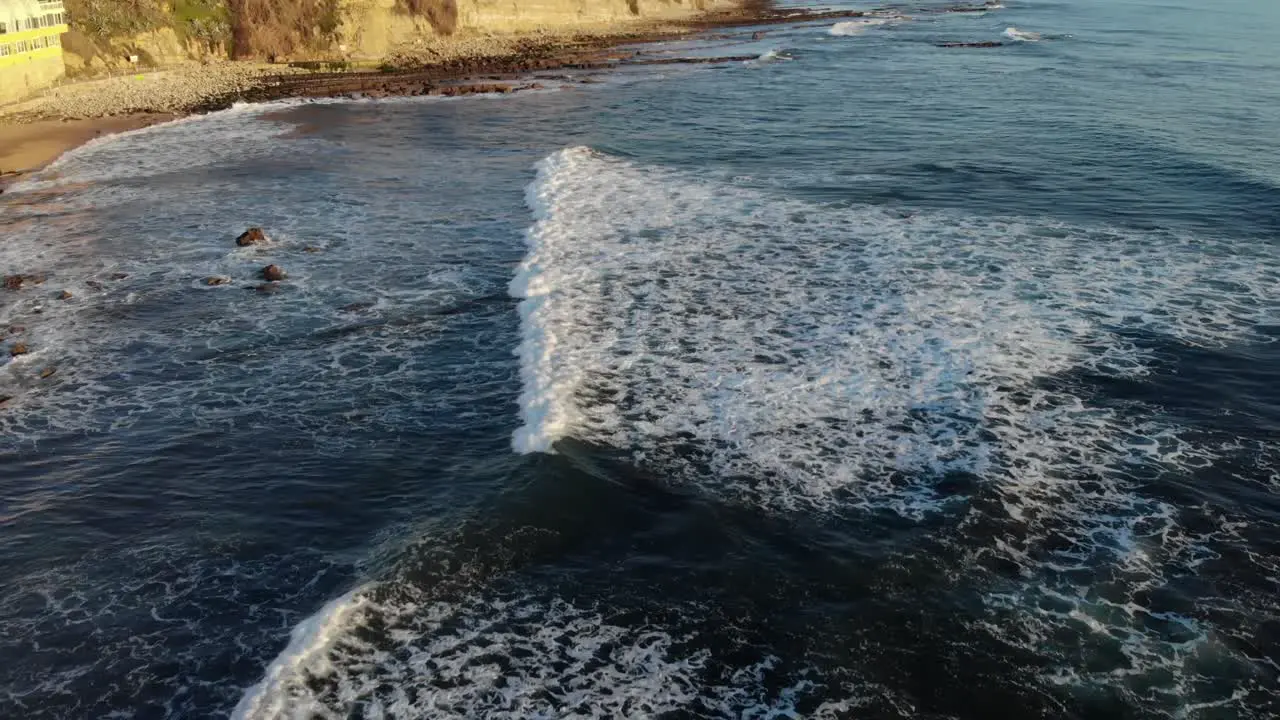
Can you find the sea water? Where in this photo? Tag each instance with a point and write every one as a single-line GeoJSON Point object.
{"type": "Point", "coordinates": [868, 379]}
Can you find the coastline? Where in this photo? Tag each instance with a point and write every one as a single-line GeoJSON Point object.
{"type": "Point", "coordinates": [35, 133]}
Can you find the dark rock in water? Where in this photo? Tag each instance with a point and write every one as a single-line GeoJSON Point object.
{"type": "Point", "coordinates": [119, 276]}
{"type": "Point", "coordinates": [4, 399]}
{"type": "Point", "coordinates": [252, 236]}
{"type": "Point", "coordinates": [217, 280]}
{"type": "Point", "coordinates": [17, 282]}
{"type": "Point", "coordinates": [17, 329]}
{"type": "Point", "coordinates": [268, 288]}
{"type": "Point", "coordinates": [311, 249]}
{"type": "Point", "coordinates": [65, 295]}
{"type": "Point", "coordinates": [758, 35]}
{"type": "Point", "coordinates": [18, 349]}
{"type": "Point", "coordinates": [273, 273]}
{"type": "Point", "coordinates": [987, 44]}
{"type": "Point", "coordinates": [94, 284]}
{"type": "Point", "coordinates": [47, 372]}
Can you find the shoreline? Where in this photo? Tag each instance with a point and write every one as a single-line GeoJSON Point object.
{"type": "Point", "coordinates": [35, 133]}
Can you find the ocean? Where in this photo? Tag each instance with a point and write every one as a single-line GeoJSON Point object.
{"type": "Point", "coordinates": [866, 379]}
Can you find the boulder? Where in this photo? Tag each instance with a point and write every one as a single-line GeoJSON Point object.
{"type": "Point", "coordinates": [65, 295]}
{"type": "Point", "coordinates": [47, 372]}
{"type": "Point", "coordinates": [311, 249]}
{"type": "Point", "coordinates": [273, 273]}
{"type": "Point", "coordinates": [119, 276]}
{"type": "Point", "coordinates": [18, 349]}
{"type": "Point", "coordinates": [217, 280]}
{"type": "Point", "coordinates": [252, 236]}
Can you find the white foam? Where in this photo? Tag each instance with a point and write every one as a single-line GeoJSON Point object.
{"type": "Point", "coordinates": [1022, 35]}
{"type": "Point", "coordinates": [497, 656]}
{"type": "Point", "coordinates": [820, 350]}
{"type": "Point", "coordinates": [309, 645]}
{"type": "Point", "coordinates": [795, 356]}
{"type": "Point", "coordinates": [855, 27]}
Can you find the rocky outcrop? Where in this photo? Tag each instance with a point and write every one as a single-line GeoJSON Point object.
{"type": "Point", "coordinates": [273, 273]}
{"type": "Point", "coordinates": [252, 236]}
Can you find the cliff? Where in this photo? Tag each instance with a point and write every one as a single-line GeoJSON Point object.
{"type": "Point", "coordinates": [107, 33]}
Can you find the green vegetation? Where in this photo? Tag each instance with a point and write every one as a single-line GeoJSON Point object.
{"type": "Point", "coordinates": [112, 18]}
{"type": "Point", "coordinates": [204, 21]}
{"type": "Point", "coordinates": [244, 28]}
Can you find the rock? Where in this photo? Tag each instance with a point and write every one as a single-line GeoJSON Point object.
{"type": "Point", "coordinates": [16, 282]}
{"type": "Point", "coordinates": [17, 329]}
{"type": "Point", "coordinates": [759, 35]}
{"type": "Point", "coordinates": [47, 372]}
{"type": "Point", "coordinates": [217, 280]}
{"type": "Point", "coordinates": [273, 273]}
{"type": "Point", "coordinates": [311, 249]}
{"type": "Point", "coordinates": [119, 276]}
{"type": "Point", "coordinates": [5, 399]}
{"type": "Point", "coordinates": [987, 44]}
{"type": "Point", "coordinates": [65, 295]}
{"type": "Point", "coordinates": [18, 349]}
{"type": "Point", "coordinates": [268, 288]}
{"type": "Point", "coordinates": [252, 236]}
{"type": "Point", "coordinates": [94, 284]}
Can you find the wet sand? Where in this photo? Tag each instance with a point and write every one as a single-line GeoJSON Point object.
{"type": "Point", "coordinates": [30, 146]}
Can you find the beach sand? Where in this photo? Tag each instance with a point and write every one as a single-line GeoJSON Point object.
{"type": "Point", "coordinates": [30, 146]}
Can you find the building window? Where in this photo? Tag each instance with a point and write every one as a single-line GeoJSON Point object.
{"type": "Point", "coordinates": [3, 28]}
{"type": "Point", "coordinates": [4, 50]}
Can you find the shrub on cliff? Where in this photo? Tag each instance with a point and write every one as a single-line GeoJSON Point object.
{"type": "Point", "coordinates": [267, 28]}
{"type": "Point", "coordinates": [442, 14]}
{"type": "Point", "coordinates": [115, 18]}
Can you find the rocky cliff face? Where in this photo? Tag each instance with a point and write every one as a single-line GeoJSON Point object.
{"type": "Point", "coordinates": [180, 31]}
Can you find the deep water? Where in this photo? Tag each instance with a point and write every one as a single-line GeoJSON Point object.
{"type": "Point", "coordinates": [870, 379]}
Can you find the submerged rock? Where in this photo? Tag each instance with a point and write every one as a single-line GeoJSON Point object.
{"type": "Point", "coordinates": [217, 280]}
{"type": "Point", "coordinates": [18, 349]}
{"type": "Point", "coordinates": [48, 372]}
{"type": "Point", "coordinates": [273, 273]}
{"type": "Point", "coordinates": [252, 236]}
{"type": "Point", "coordinates": [987, 44]}
{"type": "Point", "coordinates": [268, 288]}
{"type": "Point", "coordinates": [65, 295]}
{"type": "Point", "coordinates": [312, 249]}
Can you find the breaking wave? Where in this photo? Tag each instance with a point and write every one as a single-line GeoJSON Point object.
{"type": "Point", "coordinates": [1022, 35]}
{"type": "Point", "coordinates": [790, 356]}
{"type": "Point", "coordinates": [855, 27]}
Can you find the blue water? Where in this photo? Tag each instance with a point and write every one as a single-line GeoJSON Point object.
{"type": "Point", "coordinates": [869, 379]}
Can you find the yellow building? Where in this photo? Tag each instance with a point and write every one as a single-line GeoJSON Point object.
{"type": "Point", "coordinates": [30, 46]}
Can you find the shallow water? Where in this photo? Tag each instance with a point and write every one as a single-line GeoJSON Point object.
{"type": "Point", "coordinates": [868, 379]}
